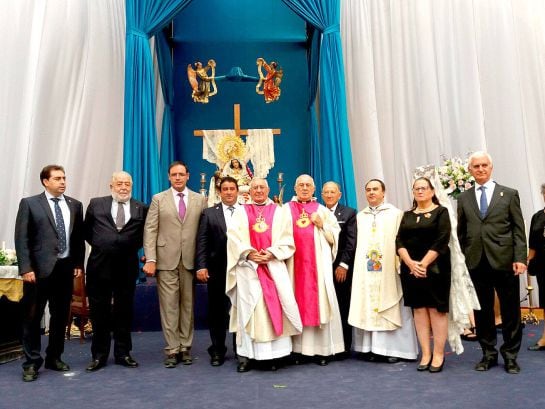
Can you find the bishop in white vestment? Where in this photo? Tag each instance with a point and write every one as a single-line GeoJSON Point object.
{"type": "Point", "coordinates": [264, 312]}
{"type": "Point", "coordinates": [316, 232]}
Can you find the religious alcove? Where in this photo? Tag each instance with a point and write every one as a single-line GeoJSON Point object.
{"type": "Point", "coordinates": [235, 34]}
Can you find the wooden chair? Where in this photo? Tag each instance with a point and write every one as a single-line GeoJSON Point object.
{"type": "Point", "coordinates": [79, 307]}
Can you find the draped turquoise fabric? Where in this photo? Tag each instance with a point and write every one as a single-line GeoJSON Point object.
{"type": "Point", "coordinates": [333, 145]}
{"type": "Point", "coordinates": [164, 61]}
{"type": "Point", "coordinates": [144, 18]}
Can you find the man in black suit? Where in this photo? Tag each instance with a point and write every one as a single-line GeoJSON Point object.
{"type": "Point", "coordinates": [492, 237]}
{"type": "Point", "coordinates": [114, 227]}
{"type": "Point", "coordinates": [50, 249]}
{"type": "Point", "coordinates": [344, 262]}
{"type": "Point", "coordinates": [211, 265]}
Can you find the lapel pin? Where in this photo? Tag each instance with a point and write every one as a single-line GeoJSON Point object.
{"type": "Point", "coordinates": [501, 194]}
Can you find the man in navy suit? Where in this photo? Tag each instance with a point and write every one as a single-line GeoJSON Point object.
{"type": "Point", "coordinates": [211, 265]}
{"type": "Point", "coordinates": [344, 262]}
{"type": "Point", "coordinates": [114, 227]}
{"type": "Point", "coordinates": [50, 250]}
{"type": "Point", "coordinates": [493, 240]}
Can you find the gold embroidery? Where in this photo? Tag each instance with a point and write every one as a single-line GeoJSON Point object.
{"type": "Point", "coordinates": [260, 226]}
{"type": "Point", "coordinates": [303, 220]}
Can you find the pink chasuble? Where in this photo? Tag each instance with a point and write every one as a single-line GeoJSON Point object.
{"type": "Point", "coordinates": [260, 220]}
{"type": "Point", "coordinates": [304, 260]}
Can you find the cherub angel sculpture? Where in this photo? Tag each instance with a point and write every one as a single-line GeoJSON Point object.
{"type": "Point", "coordinates": [269, 85]}
{"type": "Point", "coordinates": [203, 85]}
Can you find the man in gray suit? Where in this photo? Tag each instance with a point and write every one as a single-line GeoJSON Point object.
{"type": "Point", "coordinates": [492, 237]}
{"type": "Point", "coordinates": [50, 249]}
{"type": "Point", "coordinates": [169, 246]}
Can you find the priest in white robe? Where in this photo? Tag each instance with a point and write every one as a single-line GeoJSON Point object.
{"type": "Point", "coordinates": [384, 327]}
{"type": "Point", "coordinates": [264, 313]}
{"type": "Point", "coordinates": [315, 232]}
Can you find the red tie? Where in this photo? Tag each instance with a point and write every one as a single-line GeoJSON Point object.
{"type": "Point", "coordinates": [181, 207]}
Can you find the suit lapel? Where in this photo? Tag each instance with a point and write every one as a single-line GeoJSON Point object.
{"type": "Point", "coordinates": [473, 201]}
{"type": "Point", "coordinates": [73, 209]}
{"type": "Point", "coordinates": [339, 212]}
{"type": "Point", "coordinates": [172, 204]}
{"type": "Point", "coordinates": [47, 210]}
{"type": "Point", "coordinates": [220, 217]}
{"type": "Point", "coordinates": [107, 209]}
{"type": "Point", "coordinates": [498, 192]}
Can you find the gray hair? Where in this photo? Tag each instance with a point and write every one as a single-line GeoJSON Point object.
{"type": "Point", "coordinates": [331, 182]}
{"type": "Point", "coordinates": [302, 176]}
{"type": "Point", "coordinates": [256, 179]}
{"type": "Point", "coordinates": [120, 174]}
{"type": "Point", "coordinates": [479, 154]}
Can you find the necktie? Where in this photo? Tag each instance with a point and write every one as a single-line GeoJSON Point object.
{"type": "Point", "coordinates": [59, 222]}
{"type": "Point", "coordinates": [231, 209]}
{"type": "Point", "coordinates": [120, 218]}
{"type": "Point", "coordinates": [181, 206]}
{"type": "Point", "coordinates": [484, 203]}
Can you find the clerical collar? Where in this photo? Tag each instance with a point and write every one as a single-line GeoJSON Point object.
{"type": "Point", "coordinates": [261, 204]}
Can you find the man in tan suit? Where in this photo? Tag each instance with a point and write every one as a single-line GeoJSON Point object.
{"type": "Point", "coordinates": [169, 247]}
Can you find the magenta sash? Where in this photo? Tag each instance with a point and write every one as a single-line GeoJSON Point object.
{"type": "Point", "coordinates": [304, 260]}
{"type": "Point", "coordinates": [262, 241]}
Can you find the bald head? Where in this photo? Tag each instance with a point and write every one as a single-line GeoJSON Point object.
{"type": "Point", "coordinates": [304, 188]}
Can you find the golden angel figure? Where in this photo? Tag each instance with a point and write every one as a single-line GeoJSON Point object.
{"type": "Point", "coordinates": [203, 85]}
{"type": "Point", "coordinates": [269, 85]}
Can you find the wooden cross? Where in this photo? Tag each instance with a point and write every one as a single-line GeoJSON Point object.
{"type": "Point", "coordinates": [236, 121]}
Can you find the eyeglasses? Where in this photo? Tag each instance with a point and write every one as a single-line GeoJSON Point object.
{"type": "Point", "coordinates": [420, 189]}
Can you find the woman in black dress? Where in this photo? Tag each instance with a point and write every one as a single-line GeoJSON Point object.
{"type": "Point", "coordinates": [422, 244]}
{"type": "Point", "coordinates": [536, 261]}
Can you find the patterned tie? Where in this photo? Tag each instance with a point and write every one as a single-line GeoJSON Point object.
{"type": "Point", "coordinates": [484, 203]}
{"type": "Point", "coordinates": [181, 206]}
{"type": "Point", "coordinates": [120, 218]}
{"type": "Point", "coordinates": [59, 221]}
{"type": "Point", "coordinates": [231, 209]}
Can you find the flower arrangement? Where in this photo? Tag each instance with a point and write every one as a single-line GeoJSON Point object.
{"type": "Point", "coordinates": [8, 257]}
{"type": "Point", "coordinates": [454, 176]}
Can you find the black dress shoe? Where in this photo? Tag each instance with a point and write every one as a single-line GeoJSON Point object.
{"type": "Point", "coordinates": [95, 365]}
{"type": "Point", "coordinates": [127, 361]}
{"type": "Point", "coordinates": [511, 366]}
{"type": "Point", "coordinates": [30, 374]}
{"type": "Point", "coordinates": [217, 360]}
{"type": "Point", "coordinates": [321, 360]}
{"type": "Point", "coordinates": [436, 369]}
{"type": "Point", "coordinates": [392, 359]}
{"type": "Point", "coordinates": [486, 363]}
{"type": "Point", "coordinates": [243, 365]}
{"type": "Point", "coordinates": [57, 365]}
{"type": "Point", "coordinates": [536, 347]}
{"type": "Point", "coordinates": [424, 367]}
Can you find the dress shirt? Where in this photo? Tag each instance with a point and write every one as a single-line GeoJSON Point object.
{"type": "Point", "coordinates": [490, 185]}
{"type": "Point", "coordinates": [177, 198]}
{"type": "Point", "coordinates": [65, 210]}
{"type": "Point", "coordinates": [227, 215]}
{"type": "Point", "coordinates": [126, 209]}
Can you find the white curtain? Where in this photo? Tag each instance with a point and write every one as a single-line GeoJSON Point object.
{"type": "Point", "coordinates": [61, 97]}
{"type": "Point", "coordinates": [427, 78]}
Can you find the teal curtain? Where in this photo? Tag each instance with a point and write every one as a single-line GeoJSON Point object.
{"type": "Point", "coordinates": [144, 18]}
{"type": "Point", "coordinates": [164, 60]}
{"type": "Point", "coordinates": [332, 156]}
